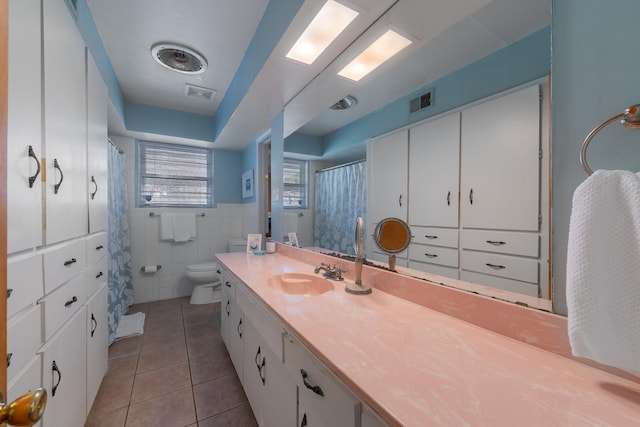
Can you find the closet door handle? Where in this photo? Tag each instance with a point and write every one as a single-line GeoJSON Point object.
{"type": "Point", "coordinates": [240, 328]}
{"type": "Point", "coordinates": [260, 369]}
{"type": "Point", "coordinates": [496, 266]}
{"type": "Point", "coordinates": [303, 423]}
{"type": "Point", "coordinates": [496, 242]}
{"type": "Point", "coordinates": [471, 196]}
{"type": "Point", "coordinates": [400, 200]}
{"type": "Point", "coordinates": [227, 308]}
{"type": "Point", "coordinates": [93, 181]}
{"type": "Point", "coordinates": [431, 255]}
{"type": "Point", "coordinates": [314, 388]}
{"type": "Point", "coordinates": [99, 275]}
{"type": "Point", "coordinates": [56, 187]}
{"type": "Point", "coordinates": [54, 370]}
{"type": "Point", "coordinates": [69, 262]}
{"type": "Point", "coordinates": [71, 301]}
{"type": "Point", "coordinates": [449, 198]}
{"type": "Point", "coordinates": [94, 325]}
{"type": "Point", "coordinates": [32, 179]}
{"type": "Point", "coordinates": [430, 237]}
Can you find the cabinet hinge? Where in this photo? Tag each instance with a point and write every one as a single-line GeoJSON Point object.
{"type": "Point", "coordinates": [539, 219]}
{"type": "Point", "coordinates": [540, 153]}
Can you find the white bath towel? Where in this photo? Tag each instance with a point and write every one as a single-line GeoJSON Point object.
{"type": "Point", "coordinates": [130, 325]}
{"type": "Point", "coordinates": [184, 227]}
{"type": "Point", "coordinates": [166, 227]}
{"type": "Point", "coordinates": [603, 270]}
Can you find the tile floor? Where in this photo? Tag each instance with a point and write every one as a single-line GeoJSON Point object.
{"type": "Point", "coordinates": [178, 374]}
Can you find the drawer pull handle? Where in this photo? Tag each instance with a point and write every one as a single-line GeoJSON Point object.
{"type": "Point", "coordinates": [54, 369]}
{"type": "Point", "coordinates": [69, 262]}
{"type": "Point", "coordinates": [227, 284]}
{"type": "Point", "coordinates": [449, 198]}
{"type": "Point", "coordinates": [256, 358]}
{"type": "Point", "coordinates": [99, 275]}
{"type": "Point", "coordinates": [94, 325]}
{"type": "Point", "coordinates": [400, 200]}
{"type": "Point", "coordinates": [496, 266]}
{"type": "Point", "coordinates": [314, 388]}
{"type": "Point", "coordinates": [471, 196]}
{"type": "Point", "coordinates": [32, 179]}
{"type": "Point", "coordinates": [9, 356]}
{"type": "Point", "coordinates": [218, 271]}
{"type": "Point", "coordinates": [9, 292]}
{"type": "Point", "coordinates": [496, 242]}
{"type": "Point", "coordinates": [99, 247]}
{"type": "Point", "coordinates": [240, 328]}
{"type": "Point", "coordinates": [431, 255]}
{"type": "Point", "coordinates": [303, 423]}
{"type": "Point", "coordinates": [430, 237]}
{"type": "Point", "coordinates": [227, 308]}
{"type": "Point", "coordinates": [93, 181]}
{"type": "Point", "coordinates": [71, 301]}
{"type": "Point", "coordinates": [56, 187]}
{"type": "Point", "coordinates": [260, 366]}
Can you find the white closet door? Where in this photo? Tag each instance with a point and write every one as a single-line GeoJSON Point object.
{"type": "Point", "coordinates": [500, 165]}
{"type": "Point", "coordinates": [24, 130]}
{"type": "Point", "coordinates": [65, 125]}
{"type": "Point", "coordinates": [434, 168]}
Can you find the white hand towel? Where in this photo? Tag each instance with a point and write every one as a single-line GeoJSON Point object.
{"type": "Point", "coordinates": [166, 227]}
{"type": "Point", "coordinates": [184, 227]}
{"type": "Point", "coordinates": [603, 270]}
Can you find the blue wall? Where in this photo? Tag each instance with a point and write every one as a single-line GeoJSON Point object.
{"type": "Point", "coordinates": [227, 176]}
{"type": "Point", "coordinates": [302, 143]}
{"type": "Point", "coordinates": [595, 61]}
{"type": "Point", "coordinates": [249, 162]}
{"type": "Point", "coordinates": [144, 118]}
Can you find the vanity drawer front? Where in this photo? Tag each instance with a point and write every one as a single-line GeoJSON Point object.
{"type": "Point", "coordinates": [511, 285]}
{"type": "Point", "coordinates": [24, 282]}
{"type": "Point", "coordinates": [96, 247]}
{"type": "Point", "coordinates": [62, 303]}
{"type": "Point", "coordinates": [97, 275]}
{"type": "Point", "coordinates": [338, 405]}
{"type": "Point", "coordinates": [62, 263]}
{"type": "Point", "coordinates": [434, 254]}
{"type": "Point", "coordinates": [522, 269]}
{"type": "Point", "coordinates": [512, 243]}
{"type": "Point", "coordinates": [264, 323]}
{"type": "Point", "coordinates": [435, 236]}
{"type": "Point", "coordinates": [229, 283]}
{"type": "Point", "coordinates": [440, 270]}
{"type": "Point", "coordinates": [24, 336]}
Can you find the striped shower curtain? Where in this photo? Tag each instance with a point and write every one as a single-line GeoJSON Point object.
{"type": "Point", "coordinates": [340, 200]}
{"type": "Point", "coordinates": [120, 285]}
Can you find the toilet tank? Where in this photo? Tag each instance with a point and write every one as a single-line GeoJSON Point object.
{"type": "Point", "coordinates": [237, 245]}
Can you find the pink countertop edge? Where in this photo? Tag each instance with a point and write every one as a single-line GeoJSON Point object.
{"type": "Point", "coordinates": [417, 365]}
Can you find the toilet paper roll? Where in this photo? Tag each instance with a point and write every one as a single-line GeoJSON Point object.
{"type": "Point", "coordinates": [149, 268]}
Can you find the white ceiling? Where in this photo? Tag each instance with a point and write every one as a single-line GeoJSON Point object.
{"type": "Point", "coordinates": [448, 35]}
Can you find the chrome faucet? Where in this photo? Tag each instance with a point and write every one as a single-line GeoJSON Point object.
{"type": "Point", "coordinates": [334, 272]}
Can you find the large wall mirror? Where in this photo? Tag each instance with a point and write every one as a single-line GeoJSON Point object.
{"type": "Point", "coordinates": [496, 49]}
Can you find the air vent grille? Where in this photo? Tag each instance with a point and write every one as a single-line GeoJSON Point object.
{"type": "Point", "coordinates": [198, 92]}
{"type": "Point", "coordinates": [421, 102]}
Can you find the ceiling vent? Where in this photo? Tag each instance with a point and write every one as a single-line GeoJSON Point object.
{"type": "Point", "coordinates": [199, 92]}
{"type": "Point", "coordinates": [179, 58]}
{"type": "Point", "coordinates": [346, 102]}
{"type": "Point", "coordinates": [423, 101]}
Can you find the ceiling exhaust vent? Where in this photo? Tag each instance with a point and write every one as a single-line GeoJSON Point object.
{"type": "Point", "coordinates": [198, 92]}
{"type": "Point", "coordinates": [423, 101]}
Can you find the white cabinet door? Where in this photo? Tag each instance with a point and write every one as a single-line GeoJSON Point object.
{"type": "Point", "coordinates": [387, 163]}
{"type": "Point", "coordinates": [434, 165]}
{"type": "Point", "coordinates": [65, 124]}
{"type": "Point", "coordinates": [97, 99]}
{"type": "Point", "coordinates": [24, 127]}
{"type": "Point", "coordinates": [500, 165]}
{"type": "Point", "coordinates": [64, 371]}
{"type": "Point", "coordinates": [97, 342]}
{"type": "Point", "coordinates": [235, 334]}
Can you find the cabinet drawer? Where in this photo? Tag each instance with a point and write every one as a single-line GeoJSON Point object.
{"type": "Point", "coordinates": [512, 243]}
{"type": "Point", "coordinates": [511, 285]}
{"type": "Point", "coordinates": [24, 282]}
{"type": "Point", "coordinates": [29, 378]}
{"type": "Point", "coordinates": [24, 336]}
{"type": "Point", "coordinates": [440, 270]}
{"type": "Point", "coordinates": [97, 275]}
{"type": "Point", "coordinates": [264, 322]}
{"type": "Point", "coordinates": [96, 247]}
{"type": "Point", "coordinates": [338, 405]}
{"type": "Point", "coordinates": [62, 303]}
{"type": "Point", "coordinates": [434, 255]}
{"type": "Point", "coordinates": [229, 283]}
{"type": "Point", "coordinates": [379, 257]}
{"type": "Point", "coordinates": [63, 262]}
{"type": "Point", "coordinates": [435, 236]}
{"type": "Point", "coordinates": [522, 269]}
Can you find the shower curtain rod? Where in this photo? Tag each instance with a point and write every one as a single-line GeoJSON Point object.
{"type": "Point", "coordinates": [111, 142]}
{"type": "Point", "coordinates": [340, 166]}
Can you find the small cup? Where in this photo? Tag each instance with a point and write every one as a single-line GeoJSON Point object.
{"type": "Point", "coordinates": [271, 247]}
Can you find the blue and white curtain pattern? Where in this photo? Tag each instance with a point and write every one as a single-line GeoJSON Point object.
{"type": "Point", "coordinates": [120, 285]}
{"type": "Point", "coordinates": [340, 200]}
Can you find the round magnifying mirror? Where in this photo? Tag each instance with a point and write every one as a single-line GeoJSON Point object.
{"type": "Point", "coordinates": [392, 235]}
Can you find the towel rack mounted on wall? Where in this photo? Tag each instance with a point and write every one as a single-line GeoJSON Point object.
{"type": "Point", "coordinates": [152, 214]}
{"type": "Point", "coordinates": [630, 119]}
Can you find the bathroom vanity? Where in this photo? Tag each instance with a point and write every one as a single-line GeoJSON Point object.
{"type": "Point", "coordinates": [336, 359]}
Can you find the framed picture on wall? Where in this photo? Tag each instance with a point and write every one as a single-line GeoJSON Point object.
{"type": "Point", "coordinates": [293, 240]}
{"type": "Point", "coordinates": [254, 243]}
{"type": "Point", "coordinates": [247, 184]}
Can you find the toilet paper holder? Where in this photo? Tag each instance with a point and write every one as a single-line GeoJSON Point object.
{"type": "Point", "coordinates": [145, 267]}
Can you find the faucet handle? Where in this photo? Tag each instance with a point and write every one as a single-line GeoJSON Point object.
{"type": "Point", "coordinates": [341, 269]}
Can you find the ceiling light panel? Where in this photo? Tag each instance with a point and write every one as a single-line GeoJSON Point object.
{"type": "Point", "coordinates": [378, 52]}
{"type": "Point", "coordinates": [327, 25]}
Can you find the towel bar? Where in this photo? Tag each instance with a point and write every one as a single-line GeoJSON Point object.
{"type": "Point", "coordinates": [630, 119]}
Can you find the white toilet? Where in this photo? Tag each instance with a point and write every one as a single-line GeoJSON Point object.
{"type": "Point", "coordinates": [237, 245]}
{"type": "Point", "coordinates": [206, 278]}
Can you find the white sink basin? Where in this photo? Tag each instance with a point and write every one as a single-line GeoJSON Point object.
{"type": "Point", "coordinates": [300, 284]}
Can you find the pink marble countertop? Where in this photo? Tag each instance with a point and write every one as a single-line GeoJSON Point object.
{"type": "Point", "coordinates": [419, 367]}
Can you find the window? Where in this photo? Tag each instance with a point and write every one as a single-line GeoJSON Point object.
{"type": "Point", "coordinates": [295, 184]}
{"type": "Point", "coordinates": [174, 175]}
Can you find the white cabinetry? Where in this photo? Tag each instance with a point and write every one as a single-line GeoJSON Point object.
{"type": "Point", "coordinates": [65, 124]}
{"type": "Point", "coordinates": [231, 323]}
{"type": "Point", "coordinates": [97, 334]}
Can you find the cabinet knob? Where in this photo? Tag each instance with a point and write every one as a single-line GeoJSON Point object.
{"type": "Point", "coordinates": [69, 262]}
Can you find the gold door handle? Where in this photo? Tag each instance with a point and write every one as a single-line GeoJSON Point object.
{"type": "Point", "coordinates": [25, 410]}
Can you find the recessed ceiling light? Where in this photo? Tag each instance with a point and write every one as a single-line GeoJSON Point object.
{"type": "Point", "coordinates": [373, 56]}
{"type": "Point", "coordinates": [179, 58]}
{"type": "Point", "coordinates": [330, 21]}
{"type": "Point", "coordinates": [346, 102]}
